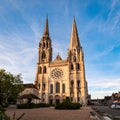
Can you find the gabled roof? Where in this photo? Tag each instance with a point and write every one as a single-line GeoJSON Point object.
{"type": "Point", "coordinates": [27, 96]}
{"type": "Point", "coordinates": [29, 85]}
{"type": "Point", "coordinates": [58, 57]}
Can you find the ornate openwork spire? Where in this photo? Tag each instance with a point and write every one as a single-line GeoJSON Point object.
{"type": "Point", "coordinates": [74, 39]}
{"type": "Point", "coordinates": [46, 29]}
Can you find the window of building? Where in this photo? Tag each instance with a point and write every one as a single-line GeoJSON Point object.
{"type": "Point", "coordinates": [43, 86]}
{"type": "Point", "coordinates": [78, 66]}
{"type": "Point", "coordinates": [57, 87]}
{"type": "Point", "coordinates": [78, 83]}
{"type": "Point", "coordinates": [78, 99]}
{"type": "Point", "coordinates": [43, 55]}
{"type": "Point", "coordinates": [43, 45]}
{"type": "Point", "coordinates": [72, 83]}
{"type": "Point", "coordinates": [44, 69]}
{"type": "Point", "coordinates": [72, 68]}
{"type": "Point", "coordinates": [39, 70]}
{"type": "Point", "coordinates": [51, 88]}
{"type": "Point", "coordinates": [47, 44]}
{"type": "Point", "coordinates": [40, 45]}
{"type": "Point", "coordinates": [63, 88]}
{"type": "Point", "coordinates": [71, 98]}
{"type": "Point", "coordinates": [74, 58]}
{"type": "Point", "coordinates": [39, 86]}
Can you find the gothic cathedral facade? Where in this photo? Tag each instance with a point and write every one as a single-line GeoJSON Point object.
{"type": "Point", "coordinates": [58, 79]}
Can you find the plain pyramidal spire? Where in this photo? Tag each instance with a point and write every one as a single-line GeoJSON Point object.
{"type": "Point", "coordinates": [74, 39]}
{"type": "Point", "coordinates": [46, 29]}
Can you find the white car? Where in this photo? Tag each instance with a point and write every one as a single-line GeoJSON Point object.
{"type": "Point", "coordinates": [115, 105]}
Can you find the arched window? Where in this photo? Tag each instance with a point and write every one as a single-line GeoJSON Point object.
{"type": "Point", "coordinates": [39, 70]}
{"type": "Point", "coordinates": [74, 58]}
{"type": "Point", "coordinates": [44, 69]}
{"type": "Point", "coordinates": [40, 45]}
{"type": "Point", "coordinates": [72, 67]}
{"type": "Point", "coordinates": [39, 86]}
{"type": "Point", "coordinates": [72, 83]}
{"type": "Point", "coordinates": [63, 88]}
{"type": "Point", "coordinates": [43, 45]}
{"type": "Point", "coordinates": [78, 83]}
{"type": "Point", "coordinates": [43, 86]}
{"type": "Point", "coordinates": [47, 44]}
{"type": "Point", "coordinates": [51, 88]}
{"type": "Point", "coordinates": [43, 55]}
{"type": "Point", "coordinates": [78, 66]}
{"type": "Point", "coordinates": [57, 87]}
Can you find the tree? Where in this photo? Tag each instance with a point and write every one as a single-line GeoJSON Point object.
{"type": "Point", "coordinates": [10, 86]}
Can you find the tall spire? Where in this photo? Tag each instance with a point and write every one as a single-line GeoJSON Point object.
{"type": "Point", "coordinates": [46, 29]}
{"type": "Point", "coordinates": [74, 39]}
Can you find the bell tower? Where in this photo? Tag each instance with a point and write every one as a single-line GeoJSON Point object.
{"type": "Point", "coordinates": [45, 49]}
{"type": "Point", "coordinates": [75, 58]}
{"type": "Point", "coordinates": [44, 60]}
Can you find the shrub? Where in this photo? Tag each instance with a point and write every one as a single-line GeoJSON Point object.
{"type": "Point", "coordinates": [67, 105]}
{"type": "Point", "coordinates": [32, 105]}
{"type": "Point", "coordinates": [26, 105]}
{"type": "Point", "coordinates": [42, 105]}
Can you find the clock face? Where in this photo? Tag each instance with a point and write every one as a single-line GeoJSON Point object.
{"type": "Point", "coordinates": [57, 73]}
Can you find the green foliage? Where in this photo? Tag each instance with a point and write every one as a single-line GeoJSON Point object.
{"type": "Point", "coordinates": [67, 105]}
{"type": "Point", "coordinates": [67, 100]}
{"type": "Point", "coordinates": [10, 86]}
{"type": "Point", "coordinates": [42, 105]}
{"type": "Point", "coordinates": [26, 106]}
{"type": "Point", "coordinates": [32, 105]}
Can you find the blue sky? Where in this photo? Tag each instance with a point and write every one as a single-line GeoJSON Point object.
{"type": "Point", "coordinates": [98, 22]}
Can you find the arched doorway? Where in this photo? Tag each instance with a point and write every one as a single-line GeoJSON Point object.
{"type": "Point", "coordinates": [57, 99]}
{"type": "Point", "coordinates": [51, 100]}
{"type": "Point", "coordinates": [63, 98]}
{"type": "Point", "coordinates": [43, 97]}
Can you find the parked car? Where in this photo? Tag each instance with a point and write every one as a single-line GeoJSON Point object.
{"type": "Point", "coordinates": [115, 105]}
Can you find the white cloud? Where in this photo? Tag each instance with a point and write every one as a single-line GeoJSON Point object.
{"type": "Point", "coordinates": [107, 50]}
{"type": "Point", "coordinates": [105, 83]}
{"type": "Point", "coordinates": [36, 30]}
{"type": "Point", "coordinates": [18, 56]}
{"type": "Point", "coordinates": [111, 25]}
{"type": "Point", "coordinates": [101, 94]}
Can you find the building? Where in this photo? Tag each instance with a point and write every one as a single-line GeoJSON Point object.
{"type": "Point", "coordinates": [58, 79]}
{"type": "Point", "coordinates": [30, 92]}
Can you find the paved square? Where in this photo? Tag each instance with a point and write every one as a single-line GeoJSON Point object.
{"type": "Point", "coordinates": [51, 114]}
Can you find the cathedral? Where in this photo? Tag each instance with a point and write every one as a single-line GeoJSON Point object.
{"type": "Point", "coordinates": [57, 79]}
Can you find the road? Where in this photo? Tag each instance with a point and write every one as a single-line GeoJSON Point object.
{"type": "Point", "coordinates": [105, 109]}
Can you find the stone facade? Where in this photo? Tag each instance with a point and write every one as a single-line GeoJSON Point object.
{"type": "Point", "coordinates": [58, 79]}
